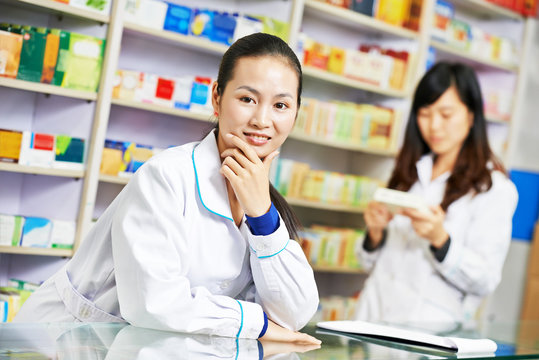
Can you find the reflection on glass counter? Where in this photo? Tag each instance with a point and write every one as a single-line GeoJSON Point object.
{"type": "Point", "coordinates": [89, 341]}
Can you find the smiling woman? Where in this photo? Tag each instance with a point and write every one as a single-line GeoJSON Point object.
{"type": "Point", "coordinates": [195, 243]}
{"type": "Point", "coordinates": [437, 266]}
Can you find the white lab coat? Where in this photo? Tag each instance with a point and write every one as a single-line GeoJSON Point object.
{"type": "Point", "coordinates": [407, 284]}
{"type": "Point", "coordinates": [167, 255]}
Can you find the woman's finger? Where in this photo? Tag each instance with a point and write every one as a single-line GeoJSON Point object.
{"type": "Point", "coordinates": [249, 152]}
{"type": "Point", "coordinates": [238, 156]}
{"type": "Point", "coordinates": [234, 166]}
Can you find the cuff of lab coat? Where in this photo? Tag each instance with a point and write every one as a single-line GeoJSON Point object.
{"type": "Point", "coordinates": [252, 320]}
{"type": "Point", "coordinates": [265, 246]}
{"type": "Point", "coordinates": [451, 260]}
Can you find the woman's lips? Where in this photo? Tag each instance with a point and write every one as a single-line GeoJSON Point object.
{"type": "Point", "coordinates": [257, 139]}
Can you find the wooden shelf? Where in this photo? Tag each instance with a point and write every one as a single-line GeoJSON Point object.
{"type": "Point", "coordinates": [463, 54]}
{"type": "Point", "coordinates": [193, 42]}
{"type": "Point", "coordinates": [37, 170]}
{"type": "Point", "coordinates": [36, 251]}
{"type": "Point", "coordinates": [59, 8]}
{"type": "Point", "coordinates": [162, 109]}
{"type": "Point", "coordinates": [337, 269]}
{"type": "Point", "coordinates": [47, 89]}
{"type": "Point", "coordinates": [340, 145]}
{"type": "Point", "coordinates": [113, 179]}
{"type": "Point", "coordinates": [324, 206]}
{"type": "Point", "coordinates": [356, 20]}
{"type": "Point", "coordinates": [493, 119]}
{"type": "Point", "coordinates": [483, 8]}
{"type": "Point", "coordinates": [344, 81]}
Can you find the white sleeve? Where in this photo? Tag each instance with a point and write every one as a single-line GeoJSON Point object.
{"type": "Point", "coordinates": [474, 264]}
{"type": "Point", "coordinates": [147, 239]}
{"type": "Point", "coordinates": [284, 280]}
{"type": "Point", "coordinates": [367, 259]}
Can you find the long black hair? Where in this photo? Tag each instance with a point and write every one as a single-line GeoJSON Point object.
{"type": "Point", "coordinates": [471, 171]}
{"type": "Point", "coordinates": [258, 45]}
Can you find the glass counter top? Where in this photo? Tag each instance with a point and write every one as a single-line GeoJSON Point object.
{"type": "Point", "coordinates": [76, 341]}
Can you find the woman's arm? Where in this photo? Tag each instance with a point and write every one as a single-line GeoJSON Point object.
{"type": "Point", "coordinates": [474, 263]}
{"type": "Point", "coordinates": [150, 252]}
{"type": "Point", "coordinates": [284, 280]}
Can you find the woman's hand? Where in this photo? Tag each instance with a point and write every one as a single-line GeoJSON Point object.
{"type": "Point", "coordinates": [377, 216]}
{"type": "Point", "coordinates": [429, 226]}
{"type": "Point", "coordinates": [275, 347]}
{"type": "Point", "coordinates": [276, 333]}
{"type": "Point", "coordinates": [248, 176]}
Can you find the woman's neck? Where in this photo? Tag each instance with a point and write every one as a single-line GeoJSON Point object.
{"type": "Point", "coordinates": [443, 163]}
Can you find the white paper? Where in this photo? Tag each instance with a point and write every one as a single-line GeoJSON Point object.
{"type": "Point", "coordinates": [460, 345]}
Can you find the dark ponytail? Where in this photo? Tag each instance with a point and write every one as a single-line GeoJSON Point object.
{"type": "Point", "coordinates": [257, 45]}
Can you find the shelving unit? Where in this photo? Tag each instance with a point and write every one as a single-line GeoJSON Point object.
{"type": "Point", "coordinates": [193, 42]}
{"type": "Point", "coordinates": [58, 8]}
{"type": "Point", "coordinates": [338, 270]}
{"type": "Point", "coordinates": [47, 89]}
{"type": "Point", "coordinates": [35, 251]}
{"type": "Point", "coordinates": [341, 145]}
{"type": "Point", "coordinates": [483, 8]}
{"type": "Point", "coordinates": [162, 109]}
{"type": "Point", "coordinates": [465, 55]}
{"type": "Point", "coordinates": [36, 170]}
{"type": "Point", "coordinates": [351, 83]}
{"type": "Point", "coordinates": [354, 22]}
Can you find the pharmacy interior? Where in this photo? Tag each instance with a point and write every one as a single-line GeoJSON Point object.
{"type": "Point", "coordinates": [90, 90]}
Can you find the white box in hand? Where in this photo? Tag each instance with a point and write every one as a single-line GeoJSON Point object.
{"type": "Point", "coordinates": [396, 200]}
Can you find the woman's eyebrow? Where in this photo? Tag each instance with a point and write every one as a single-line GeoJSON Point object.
{"type": "Point", "coordinates": [256, 92]}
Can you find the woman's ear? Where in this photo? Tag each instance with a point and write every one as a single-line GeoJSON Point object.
{"type": "Point", "coordinates": [215, 98]}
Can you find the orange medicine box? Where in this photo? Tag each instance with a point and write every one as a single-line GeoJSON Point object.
{"type": "Point", "coordinates": [10, 53]}
{"type": "Point", "coordinates": [10, 145]}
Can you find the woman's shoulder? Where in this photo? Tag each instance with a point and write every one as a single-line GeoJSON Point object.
{"type": "Point", "coordinates": [502, 188]}
{"type": "Point", "coordinates": [173, 160]}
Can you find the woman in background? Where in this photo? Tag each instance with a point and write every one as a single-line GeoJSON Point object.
{"type": "Point", "coordinates": [199, 241]}
{"type": "Point", "coordinates": [438, 265]}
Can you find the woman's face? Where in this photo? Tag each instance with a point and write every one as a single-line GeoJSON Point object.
{"type": "Point", "coordinates": [259, 104]}
{"type": "Point", "coordinates": [445, 124]}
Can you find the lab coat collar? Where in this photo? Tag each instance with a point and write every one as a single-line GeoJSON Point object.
{"type": "Point", "coordinates": [211, 185]}
{"type": "Point", "coordinates": [424, 170]}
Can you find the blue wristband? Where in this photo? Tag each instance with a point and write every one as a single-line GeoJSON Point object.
{"type": "Point", "coordinates": [263, 332]}
{"type": "Point", "coordinates": [265, 224]}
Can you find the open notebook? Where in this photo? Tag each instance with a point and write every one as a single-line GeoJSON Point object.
{"type": "Point", "coordinates": [454, 344]}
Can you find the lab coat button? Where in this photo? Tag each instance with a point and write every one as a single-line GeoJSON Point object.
{"type": "Point", "coordinates": [224, 285]}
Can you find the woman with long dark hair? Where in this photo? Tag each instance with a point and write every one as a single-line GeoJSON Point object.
{"type": "Point", "coordinates": [198, 241]}
{"type": "Point", "coordinates": [438, 265]}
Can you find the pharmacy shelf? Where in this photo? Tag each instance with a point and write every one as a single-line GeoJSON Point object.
{"type": "Point", "coordinates": [193, 42]}
{"type": "Point", "coordinates": [463, 54]}
{"type": "Point", "coordinates": [36, 251]}
{"type": "Point", "coordinates": [337, 269]}
{"type": "Point", "coordinates": [493, 119]}
{"type": "Point", "coordinates": [355, 84]}
{"type": "Point", "coordinates": [162, 109]}
{"type": "Point", "coordinates": [37, 170]}
{"type": "Point", "coordinates": [47, 89]}
{"type": "Point", "coordinates": [292, 201]}
{"type": "Point", "coordinates": [55, 7]}
{"type": "Point", "coordinates": [483, 8]}
{"type": "Point", "coordinates": [113, 179]}
{"type": "Point", "coordinates": [324, 206]}
{"type": "Point", "coordinates": [356, 20]}
{"type": "Point", "coordinates": [340, 144]}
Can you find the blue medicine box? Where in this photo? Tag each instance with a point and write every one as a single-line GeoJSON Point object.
{"type": "Point", "coordinates": [178, 18]}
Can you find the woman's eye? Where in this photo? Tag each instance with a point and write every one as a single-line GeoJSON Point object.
{"type": "Point", "coordinates": [281, 106]}
{"type": "Point", "coordinates": [246, 99]}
